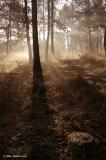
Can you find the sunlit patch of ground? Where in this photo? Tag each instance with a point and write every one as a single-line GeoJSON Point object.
{"type": "Point", "coordinates": [13, 60]}
{"type": "Point", "coordinates": [68, 55]}
{"type": "Point", "coordinates": [59, 56]}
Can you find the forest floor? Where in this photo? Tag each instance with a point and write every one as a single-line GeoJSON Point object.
{"type": "Point", "coordinates": [76, 101]}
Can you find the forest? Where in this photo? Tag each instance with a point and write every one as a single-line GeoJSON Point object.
{"type": "Point", "coordinates": [52, 79]}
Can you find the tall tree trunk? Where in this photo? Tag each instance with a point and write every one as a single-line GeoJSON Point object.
{"type": "Point", "coordinates": [10, 31]}
{"type": "Point", "coordinates": [7, 37]}
{"type": "Point", "coordinates": [18, 30]}
{"type": "Point", "coordinates": [52, 27]}
{"type": "Point", "coordinates": [100, 41]}
{"type": "Point", "coordinates": [105, 40]}
{"type": "Point", "coordinates": [44, 20]}
{"type": "Point", "coordinates": [38, 81]}
{"type": "Point", "coordinates": [27, 31]}
{"type": "Point", "coordinates": [67, 40]}
{"type": "Point", "coordinates": [90, 43]}
{"type": "Point", "coordinates": [48, 34]}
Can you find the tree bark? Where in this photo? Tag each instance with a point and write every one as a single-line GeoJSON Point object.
{"type": "Point", "coordinates": [52, 27]}
{"type": "Point", "coordinates": [44, 20]}
{"type": "Point", "coordinates": [48, 34]}
{"type": "Point", "coordinates": [27, 32]}
{"type": "Point", "coordinates": [38, 81]}
{"type": "Point", "coordinates": [105, 40]}
{"type": "Point", "coordinates": [90, 43]}
{"type": "Point", "coordinates": [7, 37]}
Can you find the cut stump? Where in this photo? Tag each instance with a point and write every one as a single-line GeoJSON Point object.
{"type": "Point", "coordinates": [81, 146]}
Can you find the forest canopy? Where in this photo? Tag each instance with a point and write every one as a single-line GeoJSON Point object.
{"type": "Point", "coordinates": [69, 25]}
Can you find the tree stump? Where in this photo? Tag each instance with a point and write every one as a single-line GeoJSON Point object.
{"type": "Point", "coordinates": [81, 146]}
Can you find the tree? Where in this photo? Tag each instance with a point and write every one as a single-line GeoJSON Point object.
{"type": "Point", "coordinates": [105, 40]}
{"type": "Point", "coordinates": [92, 15]}
{"type": "Point", "coordinates": [100, 11]}
{"type": "Point", "coordinates": [48, 32]}
{"type": "Point", "coordinates": [52, 27]}
{"type": "Point", "coordinates": [27, 31]}
{"type": "Point", "coordinates": [12, 18]}
{"type": "Point", "coordinates": [38, 81]}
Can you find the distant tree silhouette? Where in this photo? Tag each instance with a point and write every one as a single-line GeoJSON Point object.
{"type": "Point", "coordinates": [27, 30]}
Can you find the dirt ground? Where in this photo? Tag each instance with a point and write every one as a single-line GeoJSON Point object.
{"type": "Point", "coordinates": [75, 101]}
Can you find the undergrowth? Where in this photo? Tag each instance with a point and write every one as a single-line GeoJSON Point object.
{"type": "Point", "coordinates": [76, 94]}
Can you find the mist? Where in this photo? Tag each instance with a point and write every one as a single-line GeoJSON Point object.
{"type": "Point", "coordinates": [53, 79]}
